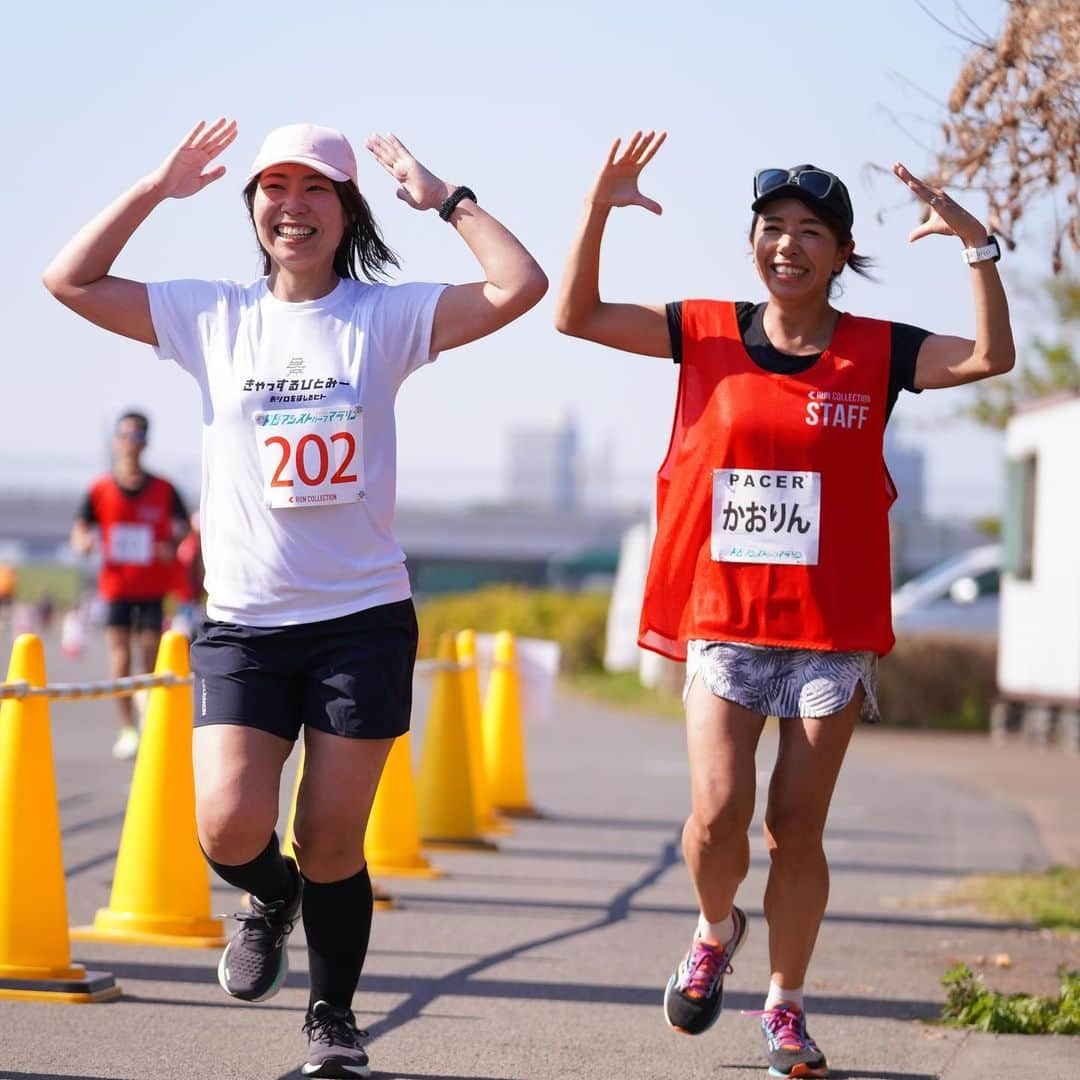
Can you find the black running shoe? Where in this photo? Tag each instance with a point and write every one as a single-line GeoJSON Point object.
{"type": "Point", "coordinates": [791, 1050]}
{"type": "Point", "coordinates": [255, 962]}
{"type": "Point", "coordinates": [695, 992]}
{"type": "Point", "coordinates": [334, 1049]}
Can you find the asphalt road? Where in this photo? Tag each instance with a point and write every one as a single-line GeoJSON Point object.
{"type": "Point", "coordinates": [547, 959]}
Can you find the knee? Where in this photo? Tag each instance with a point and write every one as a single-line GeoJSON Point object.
{"type": "Point", "coordinates": [329, 847]}
{"type": "Point", "coordinates": [716, 826]}
{"type": "Point", "coordinates": [230, 831]}
{"type": "Point", "coordinates": [792, 832]}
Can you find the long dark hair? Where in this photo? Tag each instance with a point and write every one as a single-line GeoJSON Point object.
{"type": "Point", "coordinates": [361, 250]}
{"type": "Point", "coordinates": [860, 264]}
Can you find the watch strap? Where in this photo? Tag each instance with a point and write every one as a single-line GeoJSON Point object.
{"type": "Point", "coordinates": [450, 203]}
{"type": "Point", "coordinates": [988, 252]}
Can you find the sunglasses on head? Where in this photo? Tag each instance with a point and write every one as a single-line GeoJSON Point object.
{"type": "Point", "coordinates": [815, 182]}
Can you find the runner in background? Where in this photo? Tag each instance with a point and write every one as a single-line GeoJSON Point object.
{"type": "Point", "coordinates": [136, 519]}
{"type": "Point", "coordinates": [187, 590]}
{"type": "Point", "coordinates": [770, 571]}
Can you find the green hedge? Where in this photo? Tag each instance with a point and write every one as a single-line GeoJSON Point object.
{"type": "Point", "coordinates": [576, 621]}
{"type": "Point", "coordinates": [938, 682]}
{"type": "Point", "coordinates": [925, 682]}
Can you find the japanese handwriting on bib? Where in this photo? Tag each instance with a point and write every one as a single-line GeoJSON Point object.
{"type": "Point", "coordinates": [311, 457]}
{"type": "Point", "coordinates": [766, 516]}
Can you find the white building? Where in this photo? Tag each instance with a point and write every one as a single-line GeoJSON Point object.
{"type": "Point", "coordinates": [1039, 652]}
{"type": "Point", "coordinates": [543, 464]}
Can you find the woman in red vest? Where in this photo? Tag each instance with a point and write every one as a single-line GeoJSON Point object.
{"type": "Point", "coordinates": [770, 569]}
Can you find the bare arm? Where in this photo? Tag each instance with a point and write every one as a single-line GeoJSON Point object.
{"type": "Point", "coordinates": [79, 274]}
{"type": "Point", "coordinates": [945, 361]}
{"type": "Point", "coordinates": [580, 312]}
{"type": "Point", "coordinates": [514, 281]}
{"type": "Point", "coordinates": [82, 538]}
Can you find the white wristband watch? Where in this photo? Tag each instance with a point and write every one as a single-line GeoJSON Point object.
{"type": "Point", "coordinates": [989, 252]}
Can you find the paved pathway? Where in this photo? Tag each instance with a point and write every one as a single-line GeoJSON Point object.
{"type": "Point", "coordinates": [547, 959]}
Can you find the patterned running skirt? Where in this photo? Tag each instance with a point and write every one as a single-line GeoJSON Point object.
{"type": "Point", "coordinates": [784, 682]}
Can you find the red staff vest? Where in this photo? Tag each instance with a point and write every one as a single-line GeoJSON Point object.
{"type": "Point", "coordinates": [130, 527]}
{"type": "Point", "coordinates": [773, 499]}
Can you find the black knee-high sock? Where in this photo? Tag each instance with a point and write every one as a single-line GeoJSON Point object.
{"type": "Point", "coordinates": [337, 924]}
{"type": "Point", "coordinates": [266, 876]}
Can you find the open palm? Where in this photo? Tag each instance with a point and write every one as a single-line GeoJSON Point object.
{"type": "Point", "coordinates": [184, 172]}
{"type": "Point", "coordinates": [617, 184]}
{"type": "Point", "coordinates": [945, 216]}
{"type": "Point", "coordinates": [417, 186]}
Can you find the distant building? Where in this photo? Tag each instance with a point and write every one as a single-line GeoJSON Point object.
{"type": "Point", "coordinates": [543, 465]}
{"type": "Point", "coordinates": [446, 549]}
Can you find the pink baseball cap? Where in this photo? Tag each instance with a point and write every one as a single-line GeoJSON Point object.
{"type": "Point", "coordinates": [327, 151]}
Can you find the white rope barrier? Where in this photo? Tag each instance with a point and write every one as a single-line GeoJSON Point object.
{"type": "Point", "coordinates": [132, 684]}
{"type": "Point", "coordinates": [125, 687]}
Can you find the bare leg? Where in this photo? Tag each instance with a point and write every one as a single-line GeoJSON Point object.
{"type": "Point", "coordinates": [149, 640]}
{"type": "Point", "coordinates": [721, 740]}
{"type": "Point", "coordinates": [334, 803]}
{"type": "Point", "coordinates": [118, 644]}
{"type": "Point", "coordinates": [804, 777]}
{"type": "Point", "coordinates": [237, 779]}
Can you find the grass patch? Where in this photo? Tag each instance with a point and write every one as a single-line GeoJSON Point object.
{"type": "Point", "coordinates": [624, 689]}
{"type": "Point", "coordinates": [1050, 899]}
{"type": "Point", "coordinates": [63, 583]}
{"type": "Point", "coordinates": [970, 1003]}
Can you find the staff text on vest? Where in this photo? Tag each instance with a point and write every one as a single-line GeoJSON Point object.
{"type": "Point", "coordinates": [836, 414]}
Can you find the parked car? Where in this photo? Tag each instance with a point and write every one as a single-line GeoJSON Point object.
{"type": "Point", "coordinates": [958, 596]}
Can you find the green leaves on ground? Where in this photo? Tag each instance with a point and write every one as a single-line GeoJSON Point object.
{"type": "Point", "coordinates": [971, 1003]}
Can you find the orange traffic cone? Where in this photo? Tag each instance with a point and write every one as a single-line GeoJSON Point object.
{"type": "Point", "coordinates": [445, 795]}
{"type": "Point", "coordinates": [383, 900]}
{"type": "Point", "coordinates": [504, 742]}
{"type": "Point", "coordinates": [486, 818]}
{"type": "Point", "coordinates": [161, 887]}
{"type": "Point", "coordinates": [392, 842]}
{"type": "Point", "coordinates": [35, 949]}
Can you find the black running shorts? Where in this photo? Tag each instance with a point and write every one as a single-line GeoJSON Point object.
{"type": "Point", "coordinates": [349, 676]}
{"type": "Point", "coordinates": [135, 614]}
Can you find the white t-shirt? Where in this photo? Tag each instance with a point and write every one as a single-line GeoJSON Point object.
{"type": "Point", "coordinates": [254, 357]}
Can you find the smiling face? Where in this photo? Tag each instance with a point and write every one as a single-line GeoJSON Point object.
{"type": "Point", "coordinates": [298, 217]}
{"type": "Point", "coordinates": [795, 252]}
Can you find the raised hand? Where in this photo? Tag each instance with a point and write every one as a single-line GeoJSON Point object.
{"type": "Point", "coordinates": [947, 217]}
{"type": "Point", "coordinates": [617, 184]}
{"type": "Point", "coordinates": [417, 186]}
{"type": "Point", "coordinates": [184, 171]}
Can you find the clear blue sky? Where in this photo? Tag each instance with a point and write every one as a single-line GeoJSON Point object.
{"type": "Point", "coordinates": [520, 102]}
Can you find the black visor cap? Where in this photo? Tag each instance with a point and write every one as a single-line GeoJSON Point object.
{"type": "Point", "coordinates": [835, 208]}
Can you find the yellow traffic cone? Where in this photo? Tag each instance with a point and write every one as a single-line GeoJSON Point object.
{"type": "Point", "coordinates": [486, 818]}
{"type": "Point", "coordinates": [287, 841]}
{"type": "Point", "coordinates": [35, 949]}
{"type": "Point", "coordinates": [445, 797]}
{"type": "Point", "coordinates": [504, 741]}
{"type": "Point", "coordinates": [392, 841]}
{"type": "Point", "coordinates": [161, 887]}
{"type": "Point", "coordinates": [383, 900]}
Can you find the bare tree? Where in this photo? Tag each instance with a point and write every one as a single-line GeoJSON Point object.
{"type": "Point", "coordinates": [1013, 130]}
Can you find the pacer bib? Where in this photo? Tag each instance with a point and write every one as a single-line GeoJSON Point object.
{"type": "Point", "coordinates": [766, 516]}
{"type": "Point", "coordinates": [312, 456]}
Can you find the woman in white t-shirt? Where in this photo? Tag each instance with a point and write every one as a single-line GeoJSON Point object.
{"type": "Point", "coordinates": [311, 625]}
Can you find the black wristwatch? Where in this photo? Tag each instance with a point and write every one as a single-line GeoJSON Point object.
{"type": "Point", "coordinates": [450, 203]}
